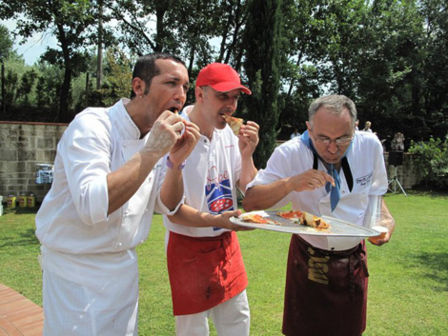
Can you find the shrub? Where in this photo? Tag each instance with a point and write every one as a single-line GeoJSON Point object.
{"type": "Point", "coordinates": [431, 161]}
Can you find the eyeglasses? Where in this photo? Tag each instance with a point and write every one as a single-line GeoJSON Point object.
{"type": "Point", "coordinates": [344, 140]}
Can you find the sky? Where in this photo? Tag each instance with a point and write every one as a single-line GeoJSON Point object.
{"type": "Point", "coordinates": [34, 46]}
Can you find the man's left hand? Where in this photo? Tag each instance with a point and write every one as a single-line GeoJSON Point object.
{"type": "Point", "coordinates": [248, 138]}
{"type": "Point", "coordinates": [185, 143]}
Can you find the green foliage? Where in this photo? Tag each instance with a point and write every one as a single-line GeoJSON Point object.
{"type": "Point", "coordinates": [26, 86]}
{"type": "Point", "coordinates": [116, 81]}
{"type": "Point", "coordinates": [388, 56]}
{"type": "Point", "coordinates": [431, 161]}
{"type": "Point", "coordinates": [5, 43]}
{"type": "Point", "coordinates": [19, 80]}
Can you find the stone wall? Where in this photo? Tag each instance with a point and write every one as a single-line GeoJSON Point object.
{"type": "Point", "coordinates": [23, 145]}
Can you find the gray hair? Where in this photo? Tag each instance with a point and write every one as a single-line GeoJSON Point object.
{"type": "Point", "coordinates": [335, 103]}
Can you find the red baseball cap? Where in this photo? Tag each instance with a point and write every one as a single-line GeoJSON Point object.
{"type": "Point", "coordinates": [221, 77]}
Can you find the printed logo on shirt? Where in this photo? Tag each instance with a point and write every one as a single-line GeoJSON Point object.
{"type": "Point", "coordinates": [218, 193]}
{"type": "Point", "coordinates": [364, 180]}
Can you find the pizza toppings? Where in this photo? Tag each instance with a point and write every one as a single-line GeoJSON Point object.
{"type": "Point", "coordinates": [305, 218]}
{"type": "Point", "coordinates": [292, 215]}
{"type": "Point", "coordinates": [234, 123]}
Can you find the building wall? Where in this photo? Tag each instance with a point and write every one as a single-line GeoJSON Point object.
{"type": "Point", "coordinates": [23, 145]}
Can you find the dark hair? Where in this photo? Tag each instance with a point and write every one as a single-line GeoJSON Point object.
{"type": "Point", "coordinates": [145, 68]}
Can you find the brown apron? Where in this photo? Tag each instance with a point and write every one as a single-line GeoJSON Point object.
{"type": "Point", "coordinates": [326, 292]}
{"type": "Point", "coordinates": [204, 272]}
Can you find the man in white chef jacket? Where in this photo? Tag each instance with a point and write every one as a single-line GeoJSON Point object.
{"type": "Point", "coordinates": [106, 187]}
{"type": "Point", "coordinates": [336, 171]}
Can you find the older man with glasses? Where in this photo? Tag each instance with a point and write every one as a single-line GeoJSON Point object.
{"type": "Point", "coordinates": [336, 171]}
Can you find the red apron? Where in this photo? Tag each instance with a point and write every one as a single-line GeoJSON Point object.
{"type": "Point", "coordinates": [204, 272]}
{"type": "Point", "coordinates": [326, 292]}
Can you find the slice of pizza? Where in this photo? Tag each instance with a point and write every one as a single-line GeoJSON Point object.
{"type": "Point", "coordinates": [314, 221]}
{"type": "Point", "coordinates": [234, 123]}
{"type": "Point", "coordinates": [305, 218]}
{"type": "Point", "coordinates": [257, 219]}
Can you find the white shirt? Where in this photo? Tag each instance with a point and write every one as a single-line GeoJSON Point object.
{"type": "Point", "coordinates": [294, 135]}
{"type": "Point", "coordinates": [73, 216]}
{"type": "Point", "coordinates": [365, 157]}
{"type": "Point", "coordinates": [210, 176]}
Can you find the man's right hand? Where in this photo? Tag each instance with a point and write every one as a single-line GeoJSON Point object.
{"type": "Point", "coordinates": [264, 196]}
{"type": "Point", "coordinates": [165, 132]}
{"type": "Point", "coordinates": [310, 180]}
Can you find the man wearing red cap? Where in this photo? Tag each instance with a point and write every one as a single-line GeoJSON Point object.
{"type": "Point", "coordinates": [205, 265]}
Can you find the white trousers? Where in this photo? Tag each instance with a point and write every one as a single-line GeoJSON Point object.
{"type": "Point", "coordinates": [71, 309]}
{"type": "Point", "coordinates": [231, 318]}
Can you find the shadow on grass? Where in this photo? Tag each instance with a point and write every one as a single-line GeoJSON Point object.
{"type": "Point", "coordinates": [25, 238]}
{"type": "Point", "coordinates": [21, 211]}
{"type": "Point", "coordinates": [434, 266]}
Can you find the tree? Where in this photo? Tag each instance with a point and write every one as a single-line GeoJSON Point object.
{"type": "Point", "coordinates": [70, 21]}
{"type": "Point", "coordinates": [434, 69]}
{"type": "Point", "coordinates": [262, 41]}
{"type": "Point", "coordinates": [5, 42]}
{"type": "Point", "coordinates": [5, 49]}
{"type": "Point", "coordinates": [117, 80]}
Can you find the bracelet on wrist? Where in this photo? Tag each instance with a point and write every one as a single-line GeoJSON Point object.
{"type": "Point", "coordinates": [170, 164]}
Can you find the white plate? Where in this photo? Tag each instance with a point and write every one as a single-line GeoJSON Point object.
{"type": "Point", "coordinates": [338, 227]}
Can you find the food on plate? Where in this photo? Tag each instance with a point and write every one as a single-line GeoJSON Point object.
{"type": "Point", "coordinates": [292, 215]}
{"type": "Point", "coordinates": [257, 218]}
{"type": "Point", "coordinates": [305, 218]}
{"type": "Point", "coordinates": [234, 123]}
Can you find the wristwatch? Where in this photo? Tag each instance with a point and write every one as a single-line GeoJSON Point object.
{"type": "Point", "coordinates": [170, 165]}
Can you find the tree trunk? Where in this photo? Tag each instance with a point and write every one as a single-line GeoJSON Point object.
{"type": "Point", "coordinates": [262, 37]}
{"type": "Point", "coordinates": [64, 98]}
{"type": "Point", "coordinates": [99, 65]}
{"type": "Point", "coordinates": [3, 89]}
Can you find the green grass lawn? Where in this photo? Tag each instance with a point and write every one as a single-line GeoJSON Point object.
{"type": "Point", "coordinates": [408, 284]}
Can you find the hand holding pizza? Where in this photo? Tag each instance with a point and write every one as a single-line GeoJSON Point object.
{"type": "Point", "coordinates": [223, 221]}
{"type": "Point", "coordinates": [248, 138]}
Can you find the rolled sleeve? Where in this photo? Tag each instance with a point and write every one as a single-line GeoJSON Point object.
{"type": "Point", "coordinates": [162, 208]}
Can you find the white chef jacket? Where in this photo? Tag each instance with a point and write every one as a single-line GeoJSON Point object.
{"type": "Point", "coordinates": [365, 157]}
{"type": "Point", "coordinates": [210, 176]}
{"type": "Point", "coordinates": [76, 234]}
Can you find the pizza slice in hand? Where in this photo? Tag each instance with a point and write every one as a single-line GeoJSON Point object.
{"type": "Point", "coordinates": [234, 123]}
